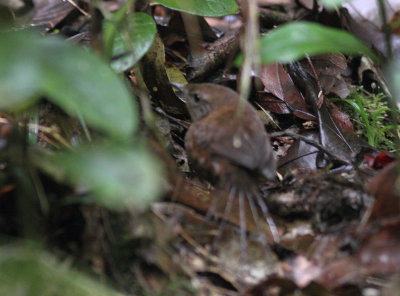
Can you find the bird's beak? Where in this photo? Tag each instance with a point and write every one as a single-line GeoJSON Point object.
{"type": "Point", "coordinates": [181, 90]}
{"type": "Point", "coordinates": [178, 86]}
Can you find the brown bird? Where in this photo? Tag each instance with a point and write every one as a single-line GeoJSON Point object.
{"type": "Point", "coordinates": [227, 144]}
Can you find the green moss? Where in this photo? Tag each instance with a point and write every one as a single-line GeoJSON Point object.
{"type": "Point", "coordinates": [370, 115]}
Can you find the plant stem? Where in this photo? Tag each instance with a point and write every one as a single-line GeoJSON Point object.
{"type": "Point", "coordinates": [385, 28]}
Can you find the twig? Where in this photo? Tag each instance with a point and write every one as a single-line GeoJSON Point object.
{"type": "Point", "coordinates": [312, 143]}
{"type": "Point", "coordinates": [80, 9]}
{"type": "Point", "coordinates": [215, 56]}
{"type": "Point", "coordinates": [321, 96]}
{"type": "Point", "coordinates": [270, 17]}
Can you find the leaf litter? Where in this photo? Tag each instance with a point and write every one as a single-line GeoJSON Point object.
{"type": "Point", "coordinates": [338, 223]}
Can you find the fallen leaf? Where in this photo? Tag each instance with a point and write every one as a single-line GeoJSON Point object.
{"type": "Point", "coordinates": [385, 187]}
{"type": "Point", "coordinates": [279, 83]}
{"type": "Point", "coordinates": [329, 68]}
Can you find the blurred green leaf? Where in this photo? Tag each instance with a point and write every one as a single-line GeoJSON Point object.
{"type": "Point", "coordinates": [120, 177]}
{"type": "Point", "coordinates": [72, 78]}
{"type": "Point", "coordinates": [332, 4]}
{"type": "Point", "coordinates": [130, 39]}
{"type": "Point", "coordinates": [28, 271]}
{"type": "Point", "coordinates": [294, 40]}
{"type": "Point", "coordinates": [209, 8]}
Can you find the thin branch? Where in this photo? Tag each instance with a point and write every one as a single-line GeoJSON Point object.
{"type": "Point", "coordinates": [312, 143]}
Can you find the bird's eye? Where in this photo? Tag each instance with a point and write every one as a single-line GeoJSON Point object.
{"type": "Point", "coordinates": [197, 97]}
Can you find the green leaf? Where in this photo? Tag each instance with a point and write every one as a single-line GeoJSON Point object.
{"type": "Point", "coordinates": [353, 104]}
{"type": "Point", "coordinates": [332, 4]}
{"type": "Point", "coordinates": [74, 79]}
{"type": "Point", "coordinates": [119, 177]}
{"type": "Point", "coordinates": [30, 271]}
{"type": "Point", "coordinates": [389, 127]}
{"type": "Point", "coordinates": [211, 8]}
{"type": "Point", "coordinates": [293, 41]}
{"type": "Point", "coordinates": [132, 37]}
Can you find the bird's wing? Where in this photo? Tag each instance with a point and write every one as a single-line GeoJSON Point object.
{"type": "Point", "coordinates": [242, 143]}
